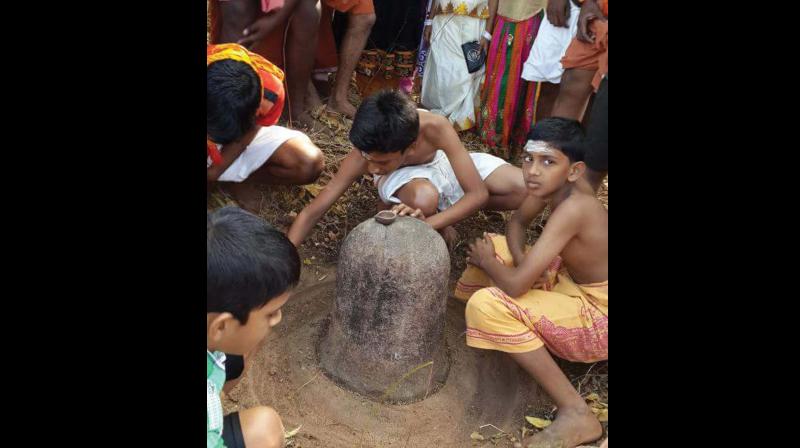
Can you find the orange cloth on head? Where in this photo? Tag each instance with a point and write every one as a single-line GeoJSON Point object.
{"type": "Point", "coordinates": [270, 75]}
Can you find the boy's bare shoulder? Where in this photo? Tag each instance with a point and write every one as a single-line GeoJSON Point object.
{"type": "Point", "coordinates": [579, 206]}
{"type": "Point", "coordinates": [432, 124]}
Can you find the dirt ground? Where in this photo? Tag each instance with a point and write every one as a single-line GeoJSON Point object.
{"type": "Point", "coordinates": [485, 392]}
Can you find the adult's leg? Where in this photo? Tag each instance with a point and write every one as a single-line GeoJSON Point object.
{"type": "Point", "coordinates": [597, 138]}
{"type": "Point", "coordinates": [574, 93]}
{"type": "Point", "coordinates": [355, 38]}
{"type": "Point", "coordinates": [236, 16]}
{"type": "Point", "coordinates": [302, 36]}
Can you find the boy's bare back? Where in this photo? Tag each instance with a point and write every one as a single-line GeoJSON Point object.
{"type": "Point", "coordinates": [586, 253]}
{"type": "Point", "coordinates": [431, 126]}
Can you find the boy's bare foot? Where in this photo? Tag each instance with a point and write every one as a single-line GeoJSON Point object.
{"type": "Point", "coordinates": [342, 106]}
{"type": "Point", "coordinates": [571, 428]}
{"type": "Point", "coordinates": [450, 236]}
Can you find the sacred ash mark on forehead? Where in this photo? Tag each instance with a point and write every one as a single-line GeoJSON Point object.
{"type": "Point", "coordinates": [539, 147]}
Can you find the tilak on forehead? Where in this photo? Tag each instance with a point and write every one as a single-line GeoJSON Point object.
{"type": "Point", "coordinates": [539, 147]}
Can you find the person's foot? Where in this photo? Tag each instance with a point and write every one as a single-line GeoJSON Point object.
{"type": "Point", "coordinates": [342, 106]}
{"type": "Point", "coordinates": [313, 100]}
{"type": "Point", "coordinates": [305, 121]}
{"type": "Point", "coordinates": [571, 428]}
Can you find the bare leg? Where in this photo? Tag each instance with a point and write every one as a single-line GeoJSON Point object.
{"type": "Point", "coordinates": [506, 188]}
{"type": "Point", "coordinates": [422, 194]}
{"type": "Point", "coordinates": [236, 16]}
{"type": "Point", "coordinates": [575, 423]}
{"type": "Point", "coordinates": [358, 29]}
{"type": "Point", "coordinates": [297, 161]}
{"type": "Point", "coordinates": [261, 427]}
{"type": "Point", "coordinates": [574, 93]}
{"type": "Point", "coordinates": [303, 34]}
{"type": "Point", "coordinates": [313, 100]}
{"type": "Point", "coordinates": [547, 100]}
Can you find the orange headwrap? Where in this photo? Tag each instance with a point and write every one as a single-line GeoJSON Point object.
{"type": "Point", "coordinates": [269, 74]}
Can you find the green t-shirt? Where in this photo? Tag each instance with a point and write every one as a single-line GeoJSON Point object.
{"type": "Point", "coordinates": [215, 379]}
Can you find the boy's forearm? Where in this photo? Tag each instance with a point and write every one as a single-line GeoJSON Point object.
{"type": "Point", "coordinates": [462, 209]}
{"type": "Point", "coordinates": [516, 238]}
{"type": "Point", "coordinates": [302, 226]}
{"type": "Point", "coordinates": [502, 276]}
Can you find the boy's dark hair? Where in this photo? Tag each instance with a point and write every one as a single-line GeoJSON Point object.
{"type": "Point", "coordinates": [564, 134]}
{"type": "Point", "coordinates": [248, 263]}
{"type": "Point", "coordinates": [387, 121]}
{"type": "Point", "coordinates": [233, 94]}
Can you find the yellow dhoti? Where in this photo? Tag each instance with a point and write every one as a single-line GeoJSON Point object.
{"type": "Point", "coordinates": [571, 320]}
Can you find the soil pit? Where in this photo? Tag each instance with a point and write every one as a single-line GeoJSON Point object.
{"type": "Point", "coordinates": [482, 387]}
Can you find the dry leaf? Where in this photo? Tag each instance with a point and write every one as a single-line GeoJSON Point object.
{"type": "Point", "coordinates": [538, 422]}
{"type": "Point", "coordinates": [476, 436]}
{"type": "Point", "coordinates": [593, 397]}
{"type": "Point", "coordinates": [602, 415]}
{"type": "Point", "coordinates": [314, 189]}
{"type": "Point", "coordinates": [307, 261]}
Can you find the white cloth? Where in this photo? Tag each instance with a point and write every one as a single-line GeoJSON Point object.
{"type": "Point", "coordinates": [544, 60]}
{"type": "Point", "coordinates": [267, 140]}
{"type": "Point", "coordinates": [448, 89]}
{"type": "Point", "coordinates": [440, 173]}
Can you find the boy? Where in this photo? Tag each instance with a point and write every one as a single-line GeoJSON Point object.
{"type": "Point", "coordinates": [251, 268]}
{"type": "Point", "coordinates": [522, 304]}
{"type": "Point", "coordinates": [419, 163]}
{"type": "Point", "coordinates": [244, 98]}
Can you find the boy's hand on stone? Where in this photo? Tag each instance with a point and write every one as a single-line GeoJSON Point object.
{"type": "Point", "coordinates": [404, 210]}
{"type": "Point", "coordinates": [480, 251]}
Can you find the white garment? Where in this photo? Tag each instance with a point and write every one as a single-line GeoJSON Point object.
{"type": "Point", "coordinates": [440, 173]}
{"type": "Point", "coordinates": [447, 87]}
{"type": "Point", "coordinates": [544, 60]}
{"type": "Point", "coordinates": [267, 140]}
